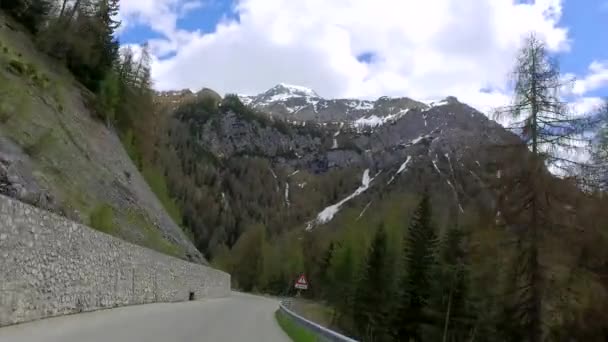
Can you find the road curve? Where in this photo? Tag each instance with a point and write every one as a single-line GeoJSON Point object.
{"type": "Point", "coordinates": [240, 317]}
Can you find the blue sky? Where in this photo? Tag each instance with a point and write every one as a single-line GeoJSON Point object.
{"type": "Point", "coordinates": [587, 21]}
{"type": "Point", "coordinates": [203, 18]}
{"type": "Point", "coordinates": [358, 48]}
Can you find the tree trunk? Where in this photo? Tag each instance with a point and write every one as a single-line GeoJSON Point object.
{"type": "Point", "coordinates": [73, 12]}
{"type": "Point", "coordinates": [65, 2]}
{"type": "Point", "coordinates": [447, 318]}
{"type": "Point", "coordinates": [534, 269]}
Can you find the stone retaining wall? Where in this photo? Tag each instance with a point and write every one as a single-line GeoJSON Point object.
{"type": "Point", "coordinates": [51, 266]}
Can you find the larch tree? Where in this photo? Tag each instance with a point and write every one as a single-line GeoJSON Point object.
{"type": "Point", "coordinates": [597, 173]}
{"type": "Point", "coordinates": [548, 131]}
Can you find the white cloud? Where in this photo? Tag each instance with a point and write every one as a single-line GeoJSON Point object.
{"type": "Point", "coordinates": [586, 105]}
{"type": "Point", "coordinates": [160, 15]}
{"type": "Point", "coordinates": [595, 79]}
{"type": "Point", "coordinates": [422, 49]}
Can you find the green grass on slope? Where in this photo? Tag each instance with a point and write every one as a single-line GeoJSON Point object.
{"type": "Point", "coordinates": [158, 184]}
{"type": "Point", "coordinates": [102, 218]}
{"type": "Point", "coordinates": [152, 237]}
{"type": "Point", "coordinates": [153, 176]}
{"type": "Point", "coordinates": [293, 330]}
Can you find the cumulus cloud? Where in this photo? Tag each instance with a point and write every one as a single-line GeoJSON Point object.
{"type": "Point", "coordinates": [422, 49]}
{"type": "Point", "coordinates": [159, 15]}
{"type": "Point", "coordinates": [586, 105]}
{"type": "Point", "coordinates": [596, 78]}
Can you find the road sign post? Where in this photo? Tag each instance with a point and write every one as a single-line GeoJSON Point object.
{"type": "Point", "coordinates": [301, 283]}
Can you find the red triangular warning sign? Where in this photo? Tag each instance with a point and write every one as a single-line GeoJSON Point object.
{"type": "Point", "coordinates": [301, 283]}
{"type": "Point", "coordinates": [302, 280]}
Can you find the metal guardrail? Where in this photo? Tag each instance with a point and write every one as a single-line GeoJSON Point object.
{"type": "Point", "coordinates": [323, 333]}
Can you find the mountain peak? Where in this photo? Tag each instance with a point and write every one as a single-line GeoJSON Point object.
{"type": "Point", "coordinates": [284, 91]}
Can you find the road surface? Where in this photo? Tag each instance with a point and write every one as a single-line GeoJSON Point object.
{"type": "Point", "coordinates": [240, 317]}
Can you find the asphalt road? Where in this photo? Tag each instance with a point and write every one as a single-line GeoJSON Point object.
{"type": "Point", "coordinates": [240, 317]}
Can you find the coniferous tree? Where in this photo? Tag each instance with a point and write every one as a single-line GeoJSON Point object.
{"type": "Point", "coordinates": [450, 289]}
{"type": "Point", "coordinates": [324, 265]}
{"type": "Point", "coordinates": [107, 10]}
{"type": "Point", "coordinates": [597, 174]}
{"type": "Point", "coordinates": [371, 303]}
{"type": "Point", "coordinates": [415, 284]}
{"type": "Point", "coordinates": [340, 288]}
{"type": "Point", "coordinates": [525, 201]}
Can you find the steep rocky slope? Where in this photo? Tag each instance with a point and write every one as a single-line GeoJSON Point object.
{"type": "Point", "coordinates": [242, 165]}
{"type": "Point", "coordinates": [56, 155]}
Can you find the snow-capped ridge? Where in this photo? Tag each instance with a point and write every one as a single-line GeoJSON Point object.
{"type": "Point", "coordinates": [446, 101]}
{"type": "Point", "coordinates": [305, 91]}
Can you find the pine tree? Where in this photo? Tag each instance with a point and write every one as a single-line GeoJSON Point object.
{"type": "Point", "coordinates": [106, 12]}
{"type": "Point", "coordinates": [340, 290]}
{"type": "Point", "coordinates": [370, 311]}
{"type": "Point", "coordinates": [419, 261]}
{"type": "Point", "coordinates": [324, 265]}
{"type": "Point", "coordinates": [450, 288]}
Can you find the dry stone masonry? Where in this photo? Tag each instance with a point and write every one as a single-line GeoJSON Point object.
{"type": "Point", "coordinates": [50, 266]}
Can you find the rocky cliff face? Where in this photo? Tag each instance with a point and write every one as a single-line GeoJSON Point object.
{"type": "Point", "coordinates": [305, 165]}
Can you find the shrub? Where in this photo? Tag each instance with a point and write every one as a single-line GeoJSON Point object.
{"type": "Point", "coordinates": [102, 218]}
{"type": "Point", "coordinates": [17, 66]}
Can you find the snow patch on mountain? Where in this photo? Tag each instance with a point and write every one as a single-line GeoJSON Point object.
{"type": "Point", "coordinates": [417, 140]}
{"type": "Point", "coordinates": [434, 161]}
{"type": "Point", "coordinates": [364, 210]}
{"type": "Point", "coordinates": [441, 103]}
{"type": "Point", "coordinates": [404, 165]}
{"type": "Point", "coordinates": [328, 213]}
{"type": "Point", "coordinates": [401, 169]}
{"type": "Point", "coordinates": [374, 120]}
{"type": "Point", "coordinates": [274, 175]}
{"type": "Point", "coordinates": [335, 144]}
{"type": "Point", "coordinates": [436, 167]}
{"type": "Point", "coordinates": [361, 105]}
{"type": "Point", "coordinates": [296, 109]}
{"type": "Point", "coordinates": [281, 93]}
{"type": "Point", "coordinates": [246, 99]}
{"type": "Point", "coordinates": [296, 89]}
{"type": "Point", "coordinates": [280, 97]}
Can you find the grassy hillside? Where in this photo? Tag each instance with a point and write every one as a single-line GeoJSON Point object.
{"type": "Point", "coordinates": [65, 159]}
